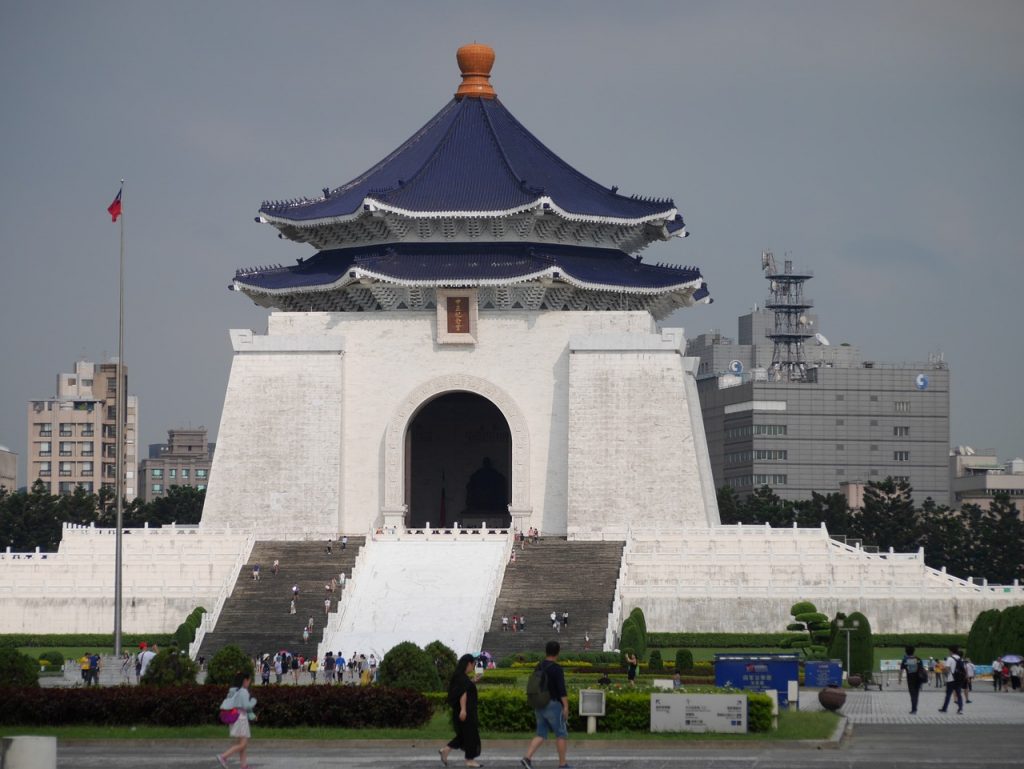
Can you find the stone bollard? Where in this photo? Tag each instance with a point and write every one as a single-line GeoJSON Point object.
{"type": "Point", "coordinates": [28, 752]}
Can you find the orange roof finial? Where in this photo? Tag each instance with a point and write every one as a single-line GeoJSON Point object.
{"type": "Point", "coordinates": [475, 61]}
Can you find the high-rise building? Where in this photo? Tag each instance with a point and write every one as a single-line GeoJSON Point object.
{"type": "Point", "coordinates": [183, 461]}
{"type": "Point", "coordinates": [783, 407]}
{"type": "Point", "coordinates": [8, 469]}
{"type": "Point", "coordinates": [72, 437]}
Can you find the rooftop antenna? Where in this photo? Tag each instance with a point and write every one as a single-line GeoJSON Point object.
{"type": "Point", "coordinates": [792, 326]}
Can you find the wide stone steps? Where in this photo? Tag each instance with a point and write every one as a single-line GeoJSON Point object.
{"type": "Point", "coordinates": [556, 575]}
{"type": "Point", "coordinates": [256, 617]}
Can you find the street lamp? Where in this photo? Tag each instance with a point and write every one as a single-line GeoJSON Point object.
{"type": "Point", "coordinates": [848, 627]}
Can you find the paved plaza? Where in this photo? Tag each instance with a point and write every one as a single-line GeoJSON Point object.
{"type": "Point", "coordinates": [892, 706]}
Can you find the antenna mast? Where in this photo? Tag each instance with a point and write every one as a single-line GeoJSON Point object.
{"type": "Point", "coordinates": [792, 326]}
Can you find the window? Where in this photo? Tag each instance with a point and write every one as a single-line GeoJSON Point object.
{"type": "Point", "coordinates": [771, 454]}
{"type": "Point", "coordinates": [156, 472]}
{"type": "Point", "coordinates": [901, 456]}
{"type": "Point", "coordinates": [840, 447]}
{"type": "Point", "coordinates": [86, 383]}
{"type": "Point", "coordinates": [172, 473]}
{"type": "Point", "coordinates": [184, 473]}
{"type": "Point", "coordinates": [901, 478]}
{"type": "Point", "coordinates": [66, 468]}
{"type": "Point", "coordinates": [158, 488]}
{"type": "Point", "coordinates": [201, 487]}
{"type": "Point", "coordinates": [840, 397]}
{"type": "Point", "coordinates": [67, 448]}
{"type": "Point", "coordinates": [66, 429]}
{"type": "Point", "coordinates": [733, 458]}
{"type": "Point", "coordinates": [874, 423]}
{"type": "Point", "coordinates": [86, 468]}
{"type": "Point", "coordinates": [874, 472]}
{"type": "Point", "coordinates": [87, 431]}
{"type": "Point", "coordinates": [770, 430]}
{"type": "Point", "coordinates": [840, 471]}
{"type": "Point", "coordinates": [71, 380]}
{"type": "Point", "coordinates": [874, 399]}
{"type": "Point", "coordinates": [840, 422]}
{"type": "Point", "coordinates": [86, 486]}
{"type": "Point", "coordinates": [200, 473]}
{"type": "Point", "coordinates": [44, 469]}
{"type": "Point", "coordinates": [85, 449]}
{"type": "Point", "coordinates": [112, 412]}
{"type": "Point", "coordinates": [901, 407]}
{"type": "Point", "coordinates": [874, 447]}
{"type": "Point", "coordinates": [45, 429]}
{"type": "Point", "coordinates": [44, 448]}
{"type": "Point", "coordinates": [770, 480]}
{"type": "Point", "coordinates": [901, 431]}
{"type": "Point", "coordinates": [66, 487]}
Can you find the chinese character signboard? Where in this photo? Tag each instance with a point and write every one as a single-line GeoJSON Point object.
{"type": "Point", "coordinates": [821, 673]}
{"type": "Point", "coordinates": [699, 713]}
{"type": "Point", "coordinates": [457, 316]}
{"type": "Point", "coordinates": [757, 673]}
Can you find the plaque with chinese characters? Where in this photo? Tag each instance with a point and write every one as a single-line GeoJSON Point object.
{"type": "Point", "coordinates": [457, 316]}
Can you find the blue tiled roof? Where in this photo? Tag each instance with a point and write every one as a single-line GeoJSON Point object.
{"type": "Point", "coordinates": [474, 264]}
{"type": "Point", "coordinates": [473, 156]}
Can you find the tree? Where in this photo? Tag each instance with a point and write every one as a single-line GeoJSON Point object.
{"type": "Point", "coordinates": [630, 640]}
{"type": "Point", "coordinates": [637, 615]}
{"type": "Point", "coordinates": [765, 506]}
{"type": "Point", "coordinates": [810, 628]}
{"type": "Point", "coordinates": [888, 518]}
{"type": "Point", "coordinates": [444, 660]}
{"type": "Point", "coordinates": [1001, 538]}
{"type": "Point", "coordinates": [171, 667]}
{"type": "Point", "coordinates": [17, 669]}
{"type": "Point", "coordinates": [407, 666]}
{"type": "Point", "coordinates": [1009, 634]}
{"type": "Point", "coordinates": [862, 647]}
{"type": "Point", "coordinates": [227, 664]}
{"type": "Point", "coordinates": [728, 505]}
{"type": "Point", "coordinates": [981, 641]}
{"type": "Point", "coordinates": [830, 509]}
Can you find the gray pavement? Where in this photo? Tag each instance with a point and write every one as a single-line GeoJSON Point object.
{"type": "Point", "coordinates": [875, 747]}
{"type": "Point", "coordinates": [892, 706]}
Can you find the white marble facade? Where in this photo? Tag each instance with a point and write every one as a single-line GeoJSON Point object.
{"type": "Point", "coordinates": [313, 432]}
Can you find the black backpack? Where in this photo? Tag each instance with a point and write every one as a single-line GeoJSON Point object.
{"type": "Point", "coordinates": [960, 672]}
{"type": "Point", "coordinates": [537, 694]}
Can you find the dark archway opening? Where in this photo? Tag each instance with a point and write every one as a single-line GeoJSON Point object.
{"type": "Point", "coordinates": [458, 463]}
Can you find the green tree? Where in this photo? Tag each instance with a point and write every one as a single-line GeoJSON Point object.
{"type": "Point", "coordinates": [226, 665]}
{"type": "Point", "coordinates": [630, 640]}
{"type": "Point", "coordinates": [407, 666]}
{"type": "Point", "coordinates": [765, 506]}
{"type": "Point", "coordinates": [981, 640]}
{"type": "Point", "coordinates": [1009, 634]}
{"type": "Point", "coordinates": [830, 509]}
{"type": "Point", "coordinates": [444, 660]}
{"type": "Point", "coordinates": [17, 669]}
{"type": "Point", "coordinates": [862, 647]}
{"type": "Point", "coordinates": [654, 662]}
{"type": "Point", "coordinates": [684, 660]}
{"type": "Point", "coordinates": [1000, 537]}
{"type": "Point", "coordinates": [171, 667]}
{"type": "Point", "coordinates": [728, 505]}
{"type": "Point", "coordinates": [888, 518]}
{"type": "Point", "coordinates": [810, 628]}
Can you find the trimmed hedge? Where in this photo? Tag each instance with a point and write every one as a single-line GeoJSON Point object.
{"type": "Point", "coordinates": [507, 711]}
{"type": "Point", "coordinates": [756, 640]}
{"type": "Point", "coordinates": [566, 660]}
{"type": "Point", "coordinates": [36, 640]}
{"type": "Point", "coordinates": [277, 706]}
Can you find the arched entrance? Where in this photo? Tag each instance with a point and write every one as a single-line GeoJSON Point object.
{"type": "Point", "coordinates": [458, 462]}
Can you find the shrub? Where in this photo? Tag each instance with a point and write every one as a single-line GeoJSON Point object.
{"type": "Point", "coordinates": [444, 660]}
{"type": "Point", "coordinates": [87, 640]}
{"type": "Point", "coordinates": [184, 635]}
{"type": "Point", "coordinates": [226, 664]}
{"type": "Point", "coordinates": [716, 640]}
{"type": "Point", "coordinates": [637, 615]}
{"type": "Point", "coordinates": [407, 666]}
{"type": "Point", "coordinates": [1009, 633]}
{"type": "Point", "coordinates": [759, 712]}
{"type": "Point", "coordinates": [54, 659]}
{"type": "Point", "coordinates": [862, 650]}
{"type": "Point", "coordinates": [17, 669]}
{"type": "Point", "coordinates": [981, 641]}
{"type": "Point", "coordinates": [565, 660]}
{"type": "Point", "coordinates": [815, 628]}
{"type": "Point", "coordinates": [654, 661]}
{"type": "Point", "coordinates": [684, 660]}
{"type": "Point", "coordinates": [279, 706]}
{"type": "Point", "coordinates": [171, 668]}
{"type": "Point", "coordinates": [631, 640]}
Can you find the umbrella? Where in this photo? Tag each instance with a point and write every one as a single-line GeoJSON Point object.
{"type": "Point", "coordinates": [1013, 659]}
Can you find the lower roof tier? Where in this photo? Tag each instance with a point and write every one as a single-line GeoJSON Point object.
{"type": "Point", "coordinates": [473, 264]}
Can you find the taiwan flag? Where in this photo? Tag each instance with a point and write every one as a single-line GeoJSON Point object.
{"type": "Point", "coordinates": [114, 209]}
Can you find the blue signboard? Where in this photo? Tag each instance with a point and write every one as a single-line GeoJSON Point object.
{"type": "Point", "coordinates": [822, 673]}
{"type": "Point", "coordinates": [757, 672]}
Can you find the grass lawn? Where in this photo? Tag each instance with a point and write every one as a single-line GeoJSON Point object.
{"type": "Point", "coordinates": [792, 726]}
{"type": "Point", "coordinates": [707, 655]}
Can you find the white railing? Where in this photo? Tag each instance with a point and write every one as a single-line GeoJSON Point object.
{"type": "Point", "coordinates": [611, 631]}
{"type": "Point", "coordinates": [434, 533]}
{"type": "Point", "coordinates": [335, 618]}
{"type": "Point", "coordinates": [209, 620]}
{"type": "Point", "coordinates": [497, 579]}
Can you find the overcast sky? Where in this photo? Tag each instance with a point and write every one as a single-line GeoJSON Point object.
{"type": "Point", "coordinates": [880, 143]}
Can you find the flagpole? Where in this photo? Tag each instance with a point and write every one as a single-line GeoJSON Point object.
{"type": "Point", "coordinates": [120, 408]}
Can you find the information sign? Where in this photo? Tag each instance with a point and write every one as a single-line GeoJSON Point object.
{"type": "Point", "coordinates": [822, 673]}
{"type": "Point", "coordinates": [757, 673]}
{"type": "Point", "coordinates": [699, 713]}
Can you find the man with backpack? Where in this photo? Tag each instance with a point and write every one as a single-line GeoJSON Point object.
{"type": "Point", "coordinates": [547, 695]}
{"type": "Point", "coordinates": [956, 679]}
{"type": "Point", "coordinates": [916, 673]}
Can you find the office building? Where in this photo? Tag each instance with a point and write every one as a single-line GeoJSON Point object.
{"type": "Point", "coordinates": [8, 469]}
{"type": "Point", "coordinates": [183, 461]}
{"type": "Point", "coordinates": [977, 476]}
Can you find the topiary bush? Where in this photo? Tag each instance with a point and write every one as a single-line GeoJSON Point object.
{"type": "Point", "coordinates": [226, 664]}
{"type": "Point", "coordinates": [810, 628]}
{"type": "Point", "coordinates": [407, 666]}
{"type": "Point", "coordinates": [171, 668]}
{"type": "Point", "coordinates": [981, 641]}
{"type": "Point", "coordinates": [654, 661]}
{"type": "Point", "coordinates": [54, 659]}
{"type": "Point", "coordinates": [631, 640]}
{"type": "Point", "coordinates": [184, 635]}
{"type": "Point", "coordinates": [444, 660]}
{"type": "Point", "coordinates": [862, 649]}
{"type": "Point", "coordinates": [17, 669]}
{"type": "Point", "coordinates": [684, 660]}
{"type": "Point", "coordinates": [637, 615]}
{"type": "Point", "coordinates": [1009, 633]}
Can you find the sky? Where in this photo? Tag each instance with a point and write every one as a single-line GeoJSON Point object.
{"type": "Point", "coordinates": [881, 144]}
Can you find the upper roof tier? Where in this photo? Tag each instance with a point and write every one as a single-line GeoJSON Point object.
{"type": "Point", "coordinates": [473, 159]}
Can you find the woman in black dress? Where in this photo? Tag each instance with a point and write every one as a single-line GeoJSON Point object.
{"type": "Point", "coordinates": [462, 699]}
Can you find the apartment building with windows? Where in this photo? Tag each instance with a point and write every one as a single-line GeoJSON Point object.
{"type": "Point", "coordinates": [8, 469]}
{"type": "Point", "coordinates": [184, 460]}
{"type": "Point", "coordinates": [72, 436]}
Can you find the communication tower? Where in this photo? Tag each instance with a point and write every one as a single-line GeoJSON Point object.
{"type": "Point", "coordinates": [792, 325]}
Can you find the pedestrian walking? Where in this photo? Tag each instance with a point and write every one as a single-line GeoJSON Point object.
{"type": "Point", "coordinates": [631, 667]}
{"type": "Point", "coordinates": [549, 698]}
{"type": "Point", "coordinates": [327, 606]}
{"type": "Point", "coordinates": [956, 676]}
{"type": "Point", "coordinates": [276, 567]}
{"type": "Point", "coordinates": [970, 679]}
{"type": "Point", "coordinates": [238, 700]}
{"type": "Point", "coordinates": [295, 591]}
{"type": "Point", "coordinates": [565, 619]}
{"type": "Point", "coordinates": [912, 666]}
{"type": "Point", "coordinates": [309, 624]}
{"type": "Point", "coordinates": [344, 542]}
{"type": "Point", "coordinates": [291, 609]}
{"type": "Point", "coordinates": [330, 546]}
{"type": "Point", "coordinates": [997, 674]}
{"type": "Point", "coordinates": [462, 699]}
{"type": "Point", "coordinates": [504, 623]}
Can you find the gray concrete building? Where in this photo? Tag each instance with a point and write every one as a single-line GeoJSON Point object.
{"type": "Point", "coordinates": [8, 469]}
{"type": "Point", "coordinates": [975, 477]}
{"type": "Point", "coordinates": [843, 419]}
{"type": "Point", "coordinates": [184, 460]}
